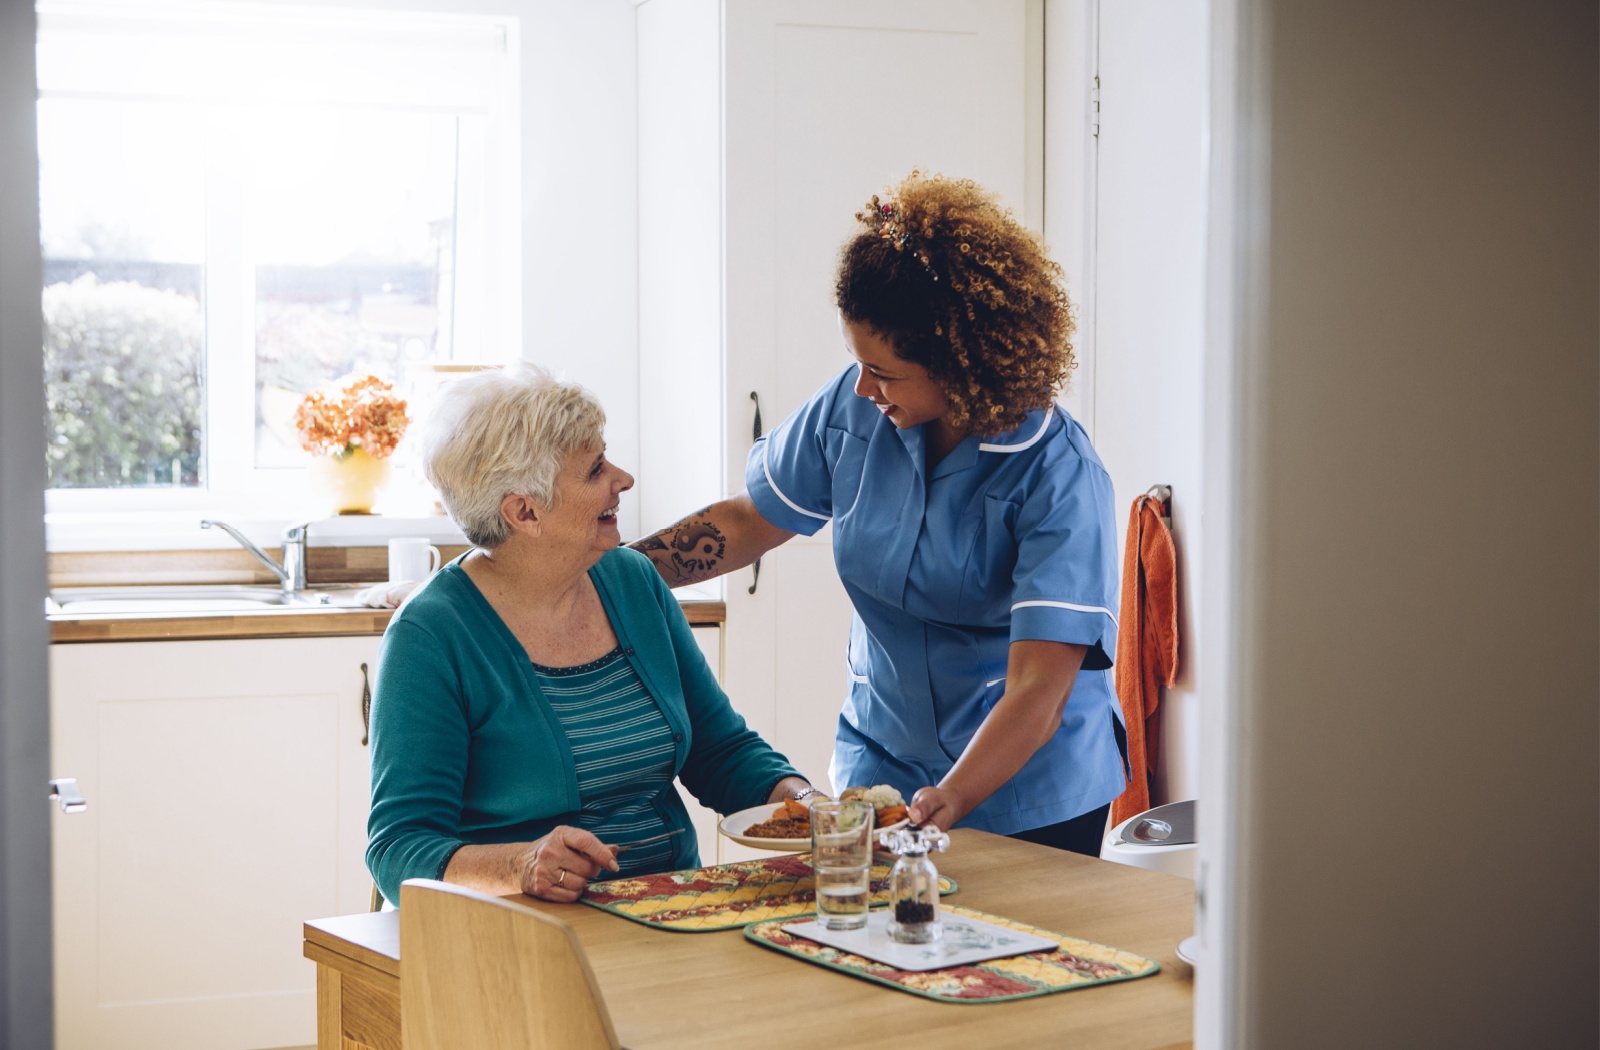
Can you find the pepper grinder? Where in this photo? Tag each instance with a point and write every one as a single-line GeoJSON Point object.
{"type": "Point", "coordinates": [914, 883]}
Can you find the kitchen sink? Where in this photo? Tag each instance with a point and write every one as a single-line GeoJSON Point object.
{"type": "Point", "coordinates": [81, 600]}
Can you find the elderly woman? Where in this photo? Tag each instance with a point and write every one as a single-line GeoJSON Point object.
{"type": "Point", "coordinates": [537, 697]}
{"type": "Point", "coordinates": [972, 525]}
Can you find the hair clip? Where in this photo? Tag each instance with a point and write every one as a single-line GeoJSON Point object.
{"type": "Point", "coordinates": [893, 230]}
{"type": "Point", "coordinates": [890, 229]}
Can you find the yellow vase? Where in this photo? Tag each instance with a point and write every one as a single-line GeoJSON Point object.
{"type": "Point", "coordinates": [351, 480]}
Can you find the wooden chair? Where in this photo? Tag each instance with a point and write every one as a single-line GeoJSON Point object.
{"type": "Point", "coordinates": [485, 973]}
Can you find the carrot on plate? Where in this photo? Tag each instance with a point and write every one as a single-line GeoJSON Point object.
{"type": "Point", "coordinates": [891, 815]}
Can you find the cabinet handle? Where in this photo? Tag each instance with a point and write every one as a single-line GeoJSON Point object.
{"type": "Point", "coordinates": [755, 577]}
{"type": "Point", "coordinates": [366, 705]}
{"type": "Point", "coordinates": [66, 791]}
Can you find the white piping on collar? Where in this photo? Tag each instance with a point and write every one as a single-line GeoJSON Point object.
{"type": "Point", "coordinates": [988, 447]}
{"type": "Point", "coordinates": [791, 504]}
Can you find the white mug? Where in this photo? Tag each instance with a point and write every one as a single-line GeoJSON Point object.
{"type": "Point", "coordinates": [412, 558]}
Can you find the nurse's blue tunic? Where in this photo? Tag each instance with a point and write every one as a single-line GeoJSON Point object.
{"type": "Point", "coordinates": [1006, 539]}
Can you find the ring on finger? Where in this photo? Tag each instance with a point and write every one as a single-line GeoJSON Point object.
{"type": "Point", "coordinates": [562, 877]}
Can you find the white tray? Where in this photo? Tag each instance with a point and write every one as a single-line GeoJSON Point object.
{"type": "Point", "coordinates": [965, 941]}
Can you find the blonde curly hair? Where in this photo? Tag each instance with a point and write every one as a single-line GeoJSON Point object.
{"type": "Point", "coordinates": [956, 284]}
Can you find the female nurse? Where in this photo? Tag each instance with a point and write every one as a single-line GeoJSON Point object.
{"type": "Point", "coordinates": [972, 525]}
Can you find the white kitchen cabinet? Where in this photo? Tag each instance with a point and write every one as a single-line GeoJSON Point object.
{"type": "Point", "coordinates": [763, 128]}
{"type": "Point", "coordinates": [714, 849]}
{"type": "Point", "coordinates": [705, 821]}
{"type": "Point", "coordinates": [227, 785]}
{"type": "Point", "coordinates": [228, 796]}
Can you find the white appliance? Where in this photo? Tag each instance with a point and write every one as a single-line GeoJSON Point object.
{"type": "Point", "coordinates": [1161, 839]}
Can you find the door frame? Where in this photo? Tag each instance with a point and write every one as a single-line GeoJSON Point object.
{"type": "Point", "coordinates": [26, 1007]}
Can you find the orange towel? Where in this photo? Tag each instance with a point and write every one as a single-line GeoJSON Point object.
{"type": "Point", "coordinates": [1147, 646]}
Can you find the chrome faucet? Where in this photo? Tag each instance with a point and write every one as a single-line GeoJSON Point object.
{"type": "Point", "coordinates": [292, 573]}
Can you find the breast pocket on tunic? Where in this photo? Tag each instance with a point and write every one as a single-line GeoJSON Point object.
{"type": "Point", "coordinates": [986, 584]}
{"type": "Point", "coordinates": [849, 458]}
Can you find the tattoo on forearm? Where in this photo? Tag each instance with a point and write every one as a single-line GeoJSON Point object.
{"type": "Point", "coordinates": [688, 551]}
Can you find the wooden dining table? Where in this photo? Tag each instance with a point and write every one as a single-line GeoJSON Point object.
{"type": "Point", "coordinates": [675, 991]}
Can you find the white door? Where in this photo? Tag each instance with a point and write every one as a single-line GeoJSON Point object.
{"type": "Point", "coordinates": [1149, 238]}
{"type": "Point", "coordinates": [227, 787]}
{"type": "Point", "coordinates": [825, 102]}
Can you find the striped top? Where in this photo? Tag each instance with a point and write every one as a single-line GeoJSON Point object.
{"type": "Point", "coordinates": [622, 750]}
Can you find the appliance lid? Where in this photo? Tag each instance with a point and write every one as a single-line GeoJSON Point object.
{"type": "Point", "coordinates": [1169, 825]}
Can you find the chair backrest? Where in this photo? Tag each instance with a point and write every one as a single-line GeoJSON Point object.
{"type": "Point", "coordinates": [482, 973]}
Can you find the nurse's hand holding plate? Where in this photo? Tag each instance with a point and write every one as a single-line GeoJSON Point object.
{"type": "Point", "coordinates": [938, 806]}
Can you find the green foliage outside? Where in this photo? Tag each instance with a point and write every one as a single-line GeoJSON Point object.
{"type": "Point", "coordinates": [124, 390]}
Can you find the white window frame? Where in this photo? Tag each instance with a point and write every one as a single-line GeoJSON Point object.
{"type": "Point", "coordinates": [224, 54]}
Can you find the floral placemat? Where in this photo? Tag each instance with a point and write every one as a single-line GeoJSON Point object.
{"type": "Point", "coordinates": [1078, 964]}
{"type": "Point", "coordinates": [726, 896]}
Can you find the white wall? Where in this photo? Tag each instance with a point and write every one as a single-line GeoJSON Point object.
{"type": "Point", "coordinates": [1126, 217]}
{"type": "Point", "coordinates": [680, 259]}
{"type": "Point", "coordinates": [1412, 287]}
{"type": "Point", "coordinates": [580, 206]}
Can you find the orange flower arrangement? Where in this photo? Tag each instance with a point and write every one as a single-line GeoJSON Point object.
{"type": "Point", "coordinates": [353, 412]}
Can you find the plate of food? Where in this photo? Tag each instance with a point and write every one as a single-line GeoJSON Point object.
{"type": "Point", "coordinates": [787, 827]}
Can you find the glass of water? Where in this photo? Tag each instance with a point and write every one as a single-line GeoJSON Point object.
{"type": "Point", "coordinates": [841, 854]}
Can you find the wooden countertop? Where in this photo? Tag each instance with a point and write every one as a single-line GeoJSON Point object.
{"type": "Point", "coordinates": [680, 990]}
{"type": "Point", "coordinates": [263, 623]}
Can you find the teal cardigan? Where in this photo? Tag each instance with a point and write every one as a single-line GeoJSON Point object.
{"type": "Point", "coordinates": [466, 749]}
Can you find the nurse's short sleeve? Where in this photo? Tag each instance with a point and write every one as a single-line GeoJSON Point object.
{"type": "Point", "coordinates": [1065, 585]}
{"type": "Point", "coordinates": [788, 475]}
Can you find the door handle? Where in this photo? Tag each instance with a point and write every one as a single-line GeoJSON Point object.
{"type": "Point", "coordinates": [65, 790]}
{"type": "Point", "coordinates": [755, 435]}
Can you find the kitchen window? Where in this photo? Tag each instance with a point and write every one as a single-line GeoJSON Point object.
{"type": "Point", "coordinates": [239, 203]}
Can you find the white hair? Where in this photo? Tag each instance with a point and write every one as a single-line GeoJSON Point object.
{"type": "Point", "coordinates": [504, 432]}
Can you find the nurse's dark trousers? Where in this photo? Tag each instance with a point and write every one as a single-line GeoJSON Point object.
{"type": "Point", "coordinates": [1078, 835]}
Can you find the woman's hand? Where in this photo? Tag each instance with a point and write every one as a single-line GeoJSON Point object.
{"type": "Point", "coordinates": [790, 787]}
{"type": "Point", "coordinates": [560, 865]}
{"type": "Point", "coordinates": [939, 806]}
